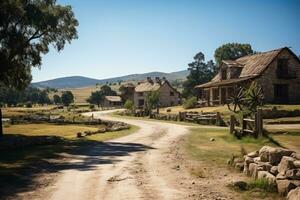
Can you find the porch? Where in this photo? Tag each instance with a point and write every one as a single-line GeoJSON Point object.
{"type": "Point", "coordinates": [215, 95]}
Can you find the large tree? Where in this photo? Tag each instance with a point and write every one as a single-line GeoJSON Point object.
{"type": "Point", "coordinates": [67, 98]}
{"type": "Point", "coordinates": [96, 97]}
{"type": "Point", "coordinates": [200, 72]}
{"type": "Point", "coordinates": [231, 51]}
{"type": "Point", "coordinates": [27, 28]}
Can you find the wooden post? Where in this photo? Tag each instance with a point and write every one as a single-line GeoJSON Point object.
{"type": "Point", "coordinates": [244, 125]}
{"type": "Point", "coordinates": [1, 128]}
{"type": "Point", "coordinates": [260, 122]}
{"type": "Point", "coordinates": [232, 124]}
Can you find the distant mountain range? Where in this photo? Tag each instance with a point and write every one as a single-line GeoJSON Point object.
{"type": "Point", "coordinates": [80, 81]}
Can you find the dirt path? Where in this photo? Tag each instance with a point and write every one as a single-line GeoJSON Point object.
{"type": "Point", "coordinates": [144, 165]}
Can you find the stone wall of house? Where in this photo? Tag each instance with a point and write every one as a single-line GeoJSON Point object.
{"type": "Point", "coordinates": [269, 78]}
{"type": "Point", "coordinates": [137, 97]}
{"type": "Point", "coordinates": [165, 97]}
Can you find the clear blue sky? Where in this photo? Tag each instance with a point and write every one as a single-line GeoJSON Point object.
{"type": "Point", "coordinates": [120, 37]}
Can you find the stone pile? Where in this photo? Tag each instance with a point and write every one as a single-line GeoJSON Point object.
{"type": "Point", "coordinates": [279, 166]}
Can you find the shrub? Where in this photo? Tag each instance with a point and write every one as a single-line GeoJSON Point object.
{"type": "Point", "coordinates": [92, 106]}
{"type": "Point", "coordinates": [28, 105]}
{"type": "Point", "coordinates": [190, 103]}
{"type": "Point", "coordinates": [128, 104]}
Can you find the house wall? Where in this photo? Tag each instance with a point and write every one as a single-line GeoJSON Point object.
{"type": "Point", "coordinates": [269, 78]}
{"type": "Point", "coordinates": [136, 98]}
{"type": "Point", "coordinates": [165, 99]}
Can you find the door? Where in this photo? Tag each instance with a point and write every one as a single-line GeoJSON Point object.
{"type": "Point", "coordinates": [141, 103]}
{"type": "Point", "coordinates": [223, 95]}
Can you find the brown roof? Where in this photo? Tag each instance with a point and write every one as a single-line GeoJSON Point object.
{"type": "Point", "coordinates": [113, 98]}
{"type": "Point", "coordinates": [224, 82]}
{"type": "Point", "coordinates": [147, 86]}
{"type": "Point", "coordinates": [252, 66]}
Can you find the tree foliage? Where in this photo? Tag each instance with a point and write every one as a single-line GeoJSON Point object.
{"type": "Point", "coordinates": [152, 100]}
{"type": "Point", "coordinates": [13, 97]}
{"type": "Point", "coordinates": [27, 28]}
{"type": "Point", "coordinates": [232, 51]}
{"type": "Point", "coordinates": [200, 72]}
{"type": "Point", "coordinates": [67, 98]}
{"type": "Point", "coordinates": [129, 104]}
{"type": "Point", "coordinates": [190, 103]}
{"type": "Point", "coordinates": [56, 99]}
{"type": "Point", "coordinates": [96, 97]}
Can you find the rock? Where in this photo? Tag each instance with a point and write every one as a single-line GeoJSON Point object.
{"type": "Point", "coordinates": [239, 166]}
{"type": "Point", "coordinates": [249, 160]}
{"type": "Point", "coordinates": [79, 135]}
{"type": "Point", "coordinates": [268, 176]}
{"type": "Point", "coordinates": [238, 160]}
{"type": "Point", "coordinates": [280, 177]}
{"type": "Point", "coordinates": [296, 182]}
{"type": "Point", "coordinates": [265, 165]}
{"type": "Point", "coordinates": [284, 186]}
{"type": "Point", "coordinates": [297, 163]}
{"type": "Point", "coordinates": [274, 170]}
{"type": "Point", "coordinates": [252, 168]}
{"type": "Point", "coordinates": [253, 154]}
{"type": "Point", "coordinates": [246, 170]}
{"type": "Point", "coordinates": [240, 185]}
{"type": "Point", "coordinates": [293, 174]}
{"type": "Point", "coordinates": [212, 139]}
{"type": "Point", "coordinates": [256, 170]}
{"type": "Point", "coordinates": [264, 153]}
{"type": "Point", "coordinates": [296, 155]}
{"type": "Point", "coordinates": [257, 160]}
{"type": "Point", "coordinates": [294, 194]}
{"type": "Point", "coordinates": [285, 164]}
{"type": "Point", "coordinates": [275, 154]}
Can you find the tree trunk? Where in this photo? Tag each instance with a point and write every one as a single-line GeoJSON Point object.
{"type": "Point", "coordinates": [1, 129]}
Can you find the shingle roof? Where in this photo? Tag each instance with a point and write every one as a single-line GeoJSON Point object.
{"type": "Point", "coordinates": [147, 86]}
{"type": "Point", "coordinates": [252, 66]}
{"type": "Point", "coordinates": [113, 98]}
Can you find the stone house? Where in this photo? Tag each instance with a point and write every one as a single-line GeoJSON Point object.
{"type": "Point", "coordinates": [276, 71]}
{"type": "Point", "coordinates": [168, 96]}
{"type": "Point", "coordinates": [112, 101]}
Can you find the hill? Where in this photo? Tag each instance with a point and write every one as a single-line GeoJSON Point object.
{"type": "Point", "coordinates": [80, 81]}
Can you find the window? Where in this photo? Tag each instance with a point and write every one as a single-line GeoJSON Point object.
{"type": "Point", "coordinates": [224, 74]}
{"type": "Point", "coordinates": [281, 93]}
{"type": "Point", "coordinates": [282, 68]}
{"type": "Point", "coordinates": [171, 93]}
{"type": "Point", "coordinates": [140, 94]}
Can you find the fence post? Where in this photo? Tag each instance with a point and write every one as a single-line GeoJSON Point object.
{"type": "Point", "coordinates": [232, 124]}
{"type": "Point", "coordinates": [244, 125]}
{"type": "Point", "coordinates": [259, 122]}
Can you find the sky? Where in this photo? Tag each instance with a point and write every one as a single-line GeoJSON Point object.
{"type": "Point", "coordinates": [121, 37]}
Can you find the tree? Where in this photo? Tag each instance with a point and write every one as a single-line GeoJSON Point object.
{"type": "Point", "coordinates": [43, 98]}
{"type": "Point", "coordinates": [67, 98]}
{"type": "Point", "coordinates": [129, 104]}
{"type": "Point", "coordinates": [200, 72]}
{"type": "Point", "coordinates": [96, 97]}
{"type": "Point", "coordinates": [232, 51]}
{"type": "Point", "coordinates": [27, 28]}
{"type": "Point", "coordinates": [56, 99]}
{"type": "Point", "coordinates": [152, 100]}
{"type": "Point", "coordinates": [107, 91]}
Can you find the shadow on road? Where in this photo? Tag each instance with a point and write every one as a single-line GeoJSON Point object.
{"type": "Point", "coordinates": [21, 168]}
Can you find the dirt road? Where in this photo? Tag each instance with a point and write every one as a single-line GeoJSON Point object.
{"type": "Point", "coordinates": [139, 167]}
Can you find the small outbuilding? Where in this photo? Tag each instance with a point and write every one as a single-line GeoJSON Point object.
{"type": "Point", "coordinates": [112, 101]}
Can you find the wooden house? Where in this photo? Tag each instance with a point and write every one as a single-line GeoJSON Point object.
{"type": "Point", "coordinates": [168, 96]}
{"type": "Point", "coordinates": [112, 101]}
{"type": "Point", "coordinates": [276, 71]}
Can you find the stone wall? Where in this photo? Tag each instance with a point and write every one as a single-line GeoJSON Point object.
{"type": "Point", "coordinates": [269, 78]}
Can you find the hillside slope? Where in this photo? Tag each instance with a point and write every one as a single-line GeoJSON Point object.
{"type": "Point", "coordinates": [80, 81]}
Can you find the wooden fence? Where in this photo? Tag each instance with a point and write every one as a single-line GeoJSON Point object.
{"type": "Point", "coordinates": [253, 127]}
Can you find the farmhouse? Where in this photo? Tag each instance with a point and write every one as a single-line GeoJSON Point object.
{"type": "Point", "coordinates": [276, 71]}
{"type": "Point", "coordinates": [168, 96]}
{"type": "Point", "coordinates": [112, 101]}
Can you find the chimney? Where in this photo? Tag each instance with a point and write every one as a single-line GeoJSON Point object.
{"type": "Point", "coordinates": [157, 80]}
{"type": "Point", "coordinates": [164, 78]}
{"type": "Point", "coordinates": [149, 80]}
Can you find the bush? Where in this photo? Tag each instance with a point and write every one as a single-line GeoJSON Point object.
{"type": "Point", "coordinates": [128, 104]}
{"type": "Point", "coordinates": [190, 103]}
{"type": "Point", "coordinates": [28, 105]}
{"type": "Point", "coordinates": [92, 106]}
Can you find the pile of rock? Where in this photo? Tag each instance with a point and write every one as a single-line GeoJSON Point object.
{"type": "Point", "coordinates": [280, 167]}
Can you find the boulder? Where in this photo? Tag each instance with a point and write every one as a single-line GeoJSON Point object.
{"type": "Point", "coordinates": [275, 154]}
{"type": "Point", "coordinates": [239, 166]}
{"type": "Point", "coordinates": [252, 168]}
{"type": "Point", "coordinates": [257, 159]}
{"type": "Point", "coordinates": [285, 164]}
{"type": "Point", "coordinates": [253, 154]}
{"type": "Point", "coordinates": [293, 174]}
{"type": "Point", "coordinates": [268, 176]}
{"type": "Point", "coordinates": [280, 177]}
{"type": "Point", "coordinates": [297, 163]}
{"type": "Point", "coordinates": [274, 170]}
{"type": "Point", "coordinates": [294, 194]}
{"type": "Point", "coordinates": [249, 160]}
{"type": "Point", "coordinates": [256, 170]}
{"type": "Point", "coordinates": [265, 165]}
{"type": "Point", "coordinates": [264, 153]}
{"type": "Point", "coordinates": [284, 186]}
{"type": "Point", "coordinates": [296, 155]}
{"type": "Point", "coordinates": [246, 170]}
